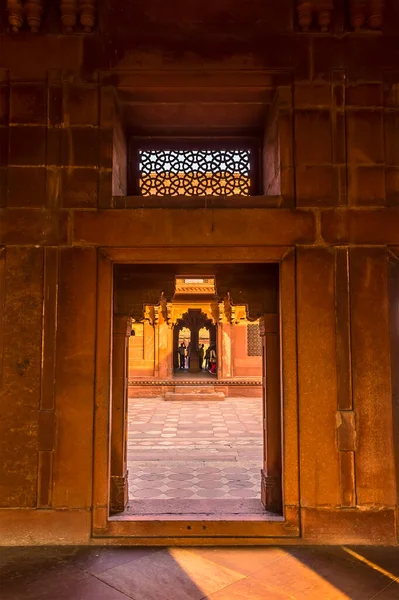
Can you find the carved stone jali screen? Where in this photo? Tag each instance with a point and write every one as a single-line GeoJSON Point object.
{"type": "Point", "coordinates": [254, 340]}
{"type": "Point", "coordinates": [195, 172]}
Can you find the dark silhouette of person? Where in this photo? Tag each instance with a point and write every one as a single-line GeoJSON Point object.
{"type": "Point", "coordinates": [182, 355]}
{"type": "Point", "coordinates": [201, 353]}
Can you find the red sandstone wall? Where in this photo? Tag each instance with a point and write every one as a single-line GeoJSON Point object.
{"type": "Point", "coordinates": [339, 147]}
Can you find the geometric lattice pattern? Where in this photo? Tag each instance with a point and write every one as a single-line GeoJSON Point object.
{"type": "Point", "coordinates": [194, 172]}
{"type": "Point", "coordinates": [254, 341]}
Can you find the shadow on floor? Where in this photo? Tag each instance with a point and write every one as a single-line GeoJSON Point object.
{"type": "Point", "coordinates": [118, 573]}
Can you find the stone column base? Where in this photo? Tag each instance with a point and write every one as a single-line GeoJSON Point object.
{"type": "Point", "coordinates": [271, 493]}
{"type": "Point", "coordinates": [119, 493]}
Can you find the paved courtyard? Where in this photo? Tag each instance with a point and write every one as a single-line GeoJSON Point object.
{"type": "Point", "coordinates": [195, 450]}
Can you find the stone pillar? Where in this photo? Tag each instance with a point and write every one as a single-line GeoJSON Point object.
{"type": "Point", "coordinates": [165, 351]}
{"type": "Point", "coordinates": [271, 486]}
{"type": "Point", "coordinates": [194, 357]}
{"type": "Point", "coordinates": [156, 350]}
{"type": "Point", "coordinates": [119, 491]}
{"type": "Point", "coordinates": [175, 342]}
{"type": "Point", "coordinates": [225, 353]}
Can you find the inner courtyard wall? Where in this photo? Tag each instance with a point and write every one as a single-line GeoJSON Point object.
{"type": "Point", "coordinates": [59, 149]}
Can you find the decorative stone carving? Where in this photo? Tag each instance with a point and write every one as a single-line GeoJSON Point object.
{"type": "Point", "coordinates": [87, 12]}
{"type": "Point", "coordinates": [15, 14]}
{"type": "Point", "coordinates": [358, 13]}
{"type": "Point", "coordinates": [366, 12]}
{"type": "Point", "coordinates": [376, 14]}
{"type": "Point", "coordinates": [163, 307]}
{"type": "Point", "coordinates": [34, 11]}
{"type": "Point", "coordinates": [227, 308]}
{"type": "Point", "coordinates": [69, 10]}
{"type": "Point", "coordinates": [305, 14]}
{"type": "Point", "coordinates": [150, 314]}
{"type": "Point", "coordinates": [315, 11]}
{"type": "Point", "coordinates": [324, 9]}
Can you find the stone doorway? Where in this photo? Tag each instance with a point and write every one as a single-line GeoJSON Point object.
{"type": "Point", "coordinates": [194, 442]}
{"type": "Point", "coordinates": [277, 311]}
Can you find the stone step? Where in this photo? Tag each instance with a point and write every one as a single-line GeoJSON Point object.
{"type": "Point", "coordinates": [195, 389]}
{"type": "Point", "coordinates": [194, 393]}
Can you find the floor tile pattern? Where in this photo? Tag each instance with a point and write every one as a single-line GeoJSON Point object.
{"type": "Point", "coordinates": [195, 449]}
{"type": "Point", "coordinates": [269, 573]}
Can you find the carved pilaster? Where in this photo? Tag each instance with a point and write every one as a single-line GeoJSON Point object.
{"type": "Point", "coordinates": [87, 12]}
{"type": "Point", "coordinates": [34, 11]}
{"type": "Point", "coordinates": [15, 14]}
{"type": "Point", "coordinates": [69, 10]}
{"type": "Point", "coordinates": [119, 493]}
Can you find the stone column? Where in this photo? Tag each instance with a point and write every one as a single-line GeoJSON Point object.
{"type": "Point", "coordinates": [119, 491]}
{"type": "Point", "coordinates": [271, 486]}
{"type": "Point", "coordinates": [225, 357]}
{"type": "Point", "coordinates": [165, 351]}
{"type": "Point", "coordinates": [156, 350]}
{"type": "Point", "coordinates": [194, 357]}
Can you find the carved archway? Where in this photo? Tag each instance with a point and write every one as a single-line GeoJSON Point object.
{"type": "Point", "coordinates": [194, 319]}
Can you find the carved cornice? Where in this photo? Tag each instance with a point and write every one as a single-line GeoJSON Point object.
{"type": "Point", "coordinates": [70, 11]}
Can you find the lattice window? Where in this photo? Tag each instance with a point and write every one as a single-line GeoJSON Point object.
{"type": "Point", "coordinates": [254, 341]}
{"type": "Point", "coordinates": [195, 172]}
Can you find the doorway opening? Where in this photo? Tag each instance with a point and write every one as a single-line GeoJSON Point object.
{"type": "Point", "coordinates": [197, 434]}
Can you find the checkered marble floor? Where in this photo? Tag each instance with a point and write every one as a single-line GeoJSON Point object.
{"type": "Point", "coordinates": [195, 450]}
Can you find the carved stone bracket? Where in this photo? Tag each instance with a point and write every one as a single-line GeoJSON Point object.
{"type": "Point", "coordinates": [87, 12]}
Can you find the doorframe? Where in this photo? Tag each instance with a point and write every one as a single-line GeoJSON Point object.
{"type": "Point", "coordinates": [180, 530]}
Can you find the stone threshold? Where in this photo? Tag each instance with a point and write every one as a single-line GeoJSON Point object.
{"type": "Point", "coordinates": [177, 509]}
{"type": "Point", "coordinates": [191, 382]}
